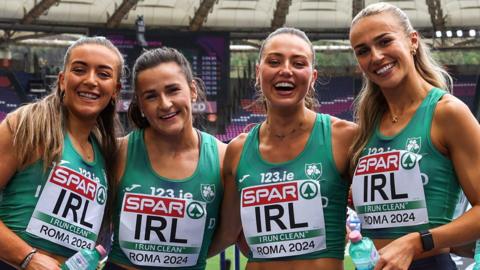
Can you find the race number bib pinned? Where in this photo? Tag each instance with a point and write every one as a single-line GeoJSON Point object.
{"type": "Point", "coordinates": [388, 190]}
{"type": "Point", "coordinates": [161, 231]}
{"type": "Point", "coordinates": [284, 219]}
{"type": "Point", "coordinates": [70, 209]}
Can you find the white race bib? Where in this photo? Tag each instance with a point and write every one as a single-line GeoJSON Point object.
{"type": "Point", "coordinates": [284, 219]}
{"type": "Point", "coordinates": [70, 209]}
{"type": "Point", "coordinates": [388, 192]}
{"type": "Point", "coordinates": [161, 231]}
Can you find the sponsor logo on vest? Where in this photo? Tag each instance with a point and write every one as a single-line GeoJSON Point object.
{"type": "Point", "coordinates": [211, 223]}
{"type": "Point", "coordinates": [308, 190]}
{"type": "Point", "coordinates": [101, 195]}
{"type": "Point", "coordinates": [271, 199]}
{"type": "Point", "coordinates": [208, 192]}
{"type": "Point", "coordinates": [409, 160]}
{"type": "Point", "coordinates": [132, 187]}
{"type": "Point", "coordinates": [243, 178]}
{"type": "Point", "coordinates": [74, 182]}
{"type": "Point", "coordinates": [413, 144]}
{"type": "Point", "coordinates": [277, 193]}
{"type": "Point", "coordinates": [313, 170]}
{"type": "Point", "coordinates": [195, 210]}
{"type": "Point", "coordinates": [78, 188]}
{"type": "Point", "coordinates": [154, 205]}
{"type": "Point", "coordinates": [155, 215]}
{"type": "Point", "coordinates": [379, 163]}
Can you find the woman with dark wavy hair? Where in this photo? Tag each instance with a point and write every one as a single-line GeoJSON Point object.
{"type": "Point", "coordinates": [170, 184]}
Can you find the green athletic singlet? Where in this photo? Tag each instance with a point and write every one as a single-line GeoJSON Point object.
{"type": "Point", "coordinates": [60, 210]}
{"type": "Point", "coordinates": [295, 209]}
{"type": "Point", "coordinates": [162, 223]}
{"type": "Point", "coordinates": [402, 183]}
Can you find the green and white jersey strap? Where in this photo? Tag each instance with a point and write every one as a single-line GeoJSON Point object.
{"type": "Point", "coordinates": [284, 219]}
{"type": "Point", "coordinates": [160, 231]}
{"type": "Point", "coordinates": [70, 208]}
{"type": "Point", "coordinates": [388, 191]}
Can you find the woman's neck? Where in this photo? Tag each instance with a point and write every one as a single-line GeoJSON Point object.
{"type": "Point", "coordinates": [403, 100]}
{"type": "Point", "coordinates": [406, 97]}
{"type": "Point", "coordinates": [281, 125]}
{"type": "Point", "coordinates": [187, 139]}
{"type": "Point", "coordinates": [78, 129]}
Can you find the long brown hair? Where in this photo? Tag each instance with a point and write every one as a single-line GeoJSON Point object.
{"type": "Point", "coordinates": [39, 126]}
{"type": "Point", "coordinates": [370, 104]}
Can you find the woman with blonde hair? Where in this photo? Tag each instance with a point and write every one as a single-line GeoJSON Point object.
{"type": "Point", "coordinates": [412, 154]}
{"type": "Point", "coordinates": [57, 160]}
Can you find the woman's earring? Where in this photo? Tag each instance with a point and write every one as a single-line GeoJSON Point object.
{"type": "Point", "coordinates": [143, 115]}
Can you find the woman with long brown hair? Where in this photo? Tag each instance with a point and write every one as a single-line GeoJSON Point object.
{"type": "Point", "coordinates": [57, 160]}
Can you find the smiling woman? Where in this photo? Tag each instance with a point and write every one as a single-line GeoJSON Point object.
{"type": "Point", "coordinates": [170, 183]}
{"type": "Point", "coordinates": [52, 150]}
{"type": "Point", "coordinates": [285, 181]}
{"type": "Point", "coordinates": [411, 126]}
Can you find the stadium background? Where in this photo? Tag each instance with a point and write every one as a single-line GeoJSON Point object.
{"type": "Point", "coordinates": [221, 39]}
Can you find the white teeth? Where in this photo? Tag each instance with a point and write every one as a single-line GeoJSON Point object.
{"type": "Point", "coordinates": [88, 95]}
{"type": "Point", "coordinates": [384, 69]}
{"type": "Point", "coordinates": [284, 84]}
{"type": "Point", "coordinates": [166, 116]}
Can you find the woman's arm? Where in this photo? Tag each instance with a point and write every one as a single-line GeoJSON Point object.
{"type": "Point", "coordinates": [343, 134]}
{"type": "Point", "coordinates": [230, 224]}
{"type": "Point", "coordinates": [456, 133]}
{"type": "Point", "coordinates": [12, 248]}
{"type": "Point", "coordinates": [459, 131]}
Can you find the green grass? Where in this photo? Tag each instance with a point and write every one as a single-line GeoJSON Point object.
{"type": "Point", "coordinates": [214, 262]}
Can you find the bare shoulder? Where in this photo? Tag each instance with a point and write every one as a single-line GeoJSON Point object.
{"type": "Point", "coordinates": [232, 154]}
{"type": "Point", "coordinates": [343, 129]}
{"type": "Point", "coordinates": [11, 121]}
{"type": "Point", "coordinates": [449, 109]}
{"type": "Point", "coordinates": [8, 160]}
{"type": "Point", "coordinates": [6, 133]}
{"type": "Point", "coordinates": [236, 144]}
{"type": "Point", "coordinates": [123, 146]}
{"type": "Point", "coordinates": [122, 149]}
{"type": "Point", "coordinates": [222, 147]}
{"type": "Point", "coordinates": [7, 130]}
{"type": "Point", "coordinates": [452, 120]}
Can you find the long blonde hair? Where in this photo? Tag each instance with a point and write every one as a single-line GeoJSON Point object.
{"type": "Point", "coordinates": [370, 103]}
{"type": "Point", "coordinates": [38, 127]}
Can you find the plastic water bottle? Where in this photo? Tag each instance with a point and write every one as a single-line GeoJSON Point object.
{"type": "Point", "coordinates": [362, 251]}
{"type": "Point", "coordinates": [477, 256]}
{"type": "Point", "coordinates": [85, 259]}
{"type": "Point", "coordinates": [353, 222]}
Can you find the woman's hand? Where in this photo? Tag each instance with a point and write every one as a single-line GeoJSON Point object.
{"type": "Point", "coordinates": [398, 255]}
{"type": "Point", "coordinates": [43, 262]}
